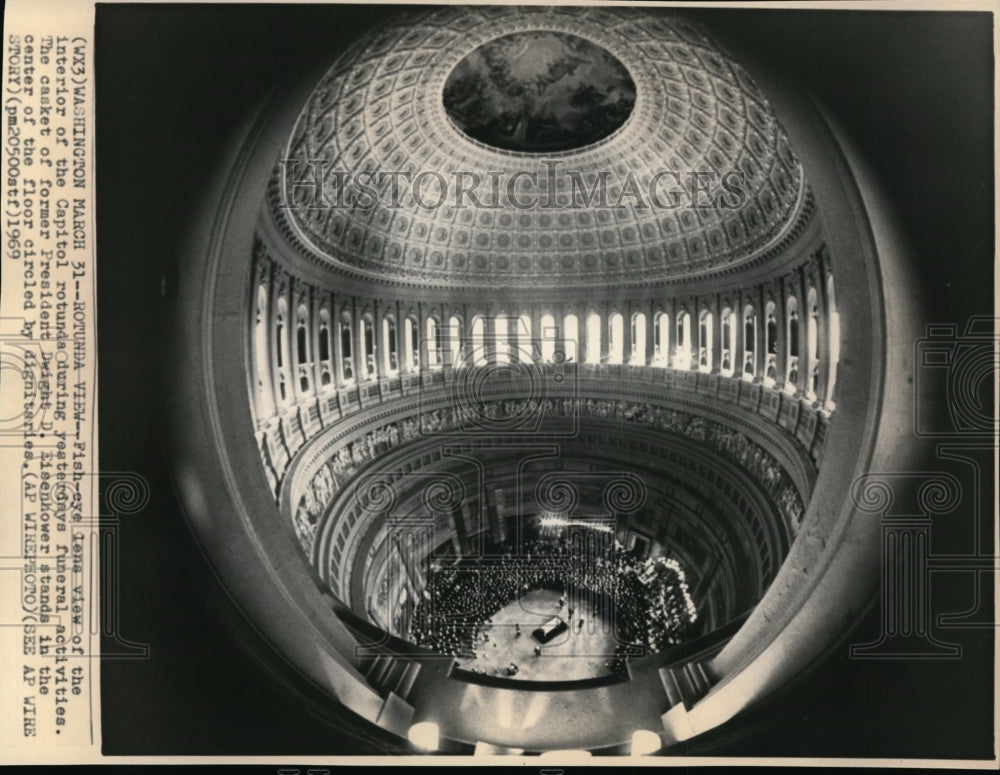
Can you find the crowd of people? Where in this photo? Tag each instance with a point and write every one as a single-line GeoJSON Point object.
{"type": "Point", "coordinates": [647, 598]}
{"type": "Point", "coordinates": [732, 444]}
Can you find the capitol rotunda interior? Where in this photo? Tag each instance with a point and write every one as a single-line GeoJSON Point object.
{"type": "Point", "coordinates": [531, 376]}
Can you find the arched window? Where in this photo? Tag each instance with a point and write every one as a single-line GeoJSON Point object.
{"type": "Point", "coordinates": [726, 366]}
{"type": "Point", "coordinates": [326, 372]}
{"type": "Point", "coordinates": [812, 343]}
{"type": "Point", "coordinates": [478, 342]}
{"type": "Point", "coordinates": [368, 348]}
{"type": "Point", "coordinates": [593, 338]}
{"type": "Point", "coordinates": [324, 340]}
{"type": "Point", "coordinates": [411, 344]}
{"type": "Point", "coordinates": [524, 339]}
{"type": "Point", "coordinates": [302, 342]}
{"type": "Point", "coordinates": [303, 361]}
{"type": "Point", "coordinates": [281, 351]}
{"type": "Point", "coordinates": [347, 346]}
{"type": "Point", "coordinates": [749, 368]}
{"type": "Point", "coordinates": [833, 348]}
{"type": "Point", "coordinates": [549, 335]}
{"type": "Point", "coordinates": [571, 338]}
{"type": "Point", "coordinates": [455, 338]}
{"type": "Point", "coordinates": [793, 331]}
{"type": "Point", "coordinates": [682, 360]}
{"type": "Point", "coordinates": [793, 368]}
{"type": "Point", "coordinates": [433, 343]}
{"type": "Point", "coordinates": [661, 339]}
{"type": "Point", "coordinates": [638, 355]}
{"type": "Point", "coordinates": [389, 337]}
{"type": "Point", "coordinates": [705, 333]}
{"type": "Point", "coordinates": [501, 346]}
{"type": "Point", "coordinates": [279, 334]}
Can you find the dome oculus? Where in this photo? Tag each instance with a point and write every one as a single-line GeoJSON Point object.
{"type": "Point", "coordinates": [539, 91]}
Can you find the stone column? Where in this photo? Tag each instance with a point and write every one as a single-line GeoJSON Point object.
{"type": "Point", "coordinates": [627, 312]}
{"type": "Point", "coordinates": [717, 344]}
{"type": "Point", "coordinates": [380, 343]}
{"type": "Point", "coordinates": [695, 334]}
{"type": "Point", "coordinates": [650, 309]}
{"type": "Point", "coordinates": [805, 317]}
{"type": "Point", "coordinates": [781, 343]}
{"type": "Point", "coordinates": [760, 332]}
{"type": "Point", "coordinates": [290, 336]}
{"type": "Point", "coordinates": [536, 333]}
{"type": "Point", "coordinates": [335, 346]}
{"type": "Point", "coordinates": [423, 315]}
{"type": "Point", "coordinates": [360, 354]}
{"type": "Point", "coordinates": [314, 325]}
{"type": "Point", "coordinates": [605, 314]}
{"type": "Point", "coordinates": [489, 335]}
{"type": "Point", "coordinates": [513, 339]}
{"type": "Point", "coordinates": [582, 341]}
{"type": "Point", "coordinates": [741, 336]}
{"type": "Point", "coordinates": [448, 343]}
{"type": "Point", "coordinates": [560, 317]}
{"type": "Point", "coordinates": [670, 310]}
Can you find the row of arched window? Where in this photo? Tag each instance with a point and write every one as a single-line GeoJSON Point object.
{"type": "Point", "coordinates": [298, 355]}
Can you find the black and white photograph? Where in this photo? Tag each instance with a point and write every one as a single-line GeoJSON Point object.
{"type": "Point", "coordinates": [537, 385]}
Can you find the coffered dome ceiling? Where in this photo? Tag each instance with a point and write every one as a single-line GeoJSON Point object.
{"type": "Point", "coordinates": [521, 115]}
